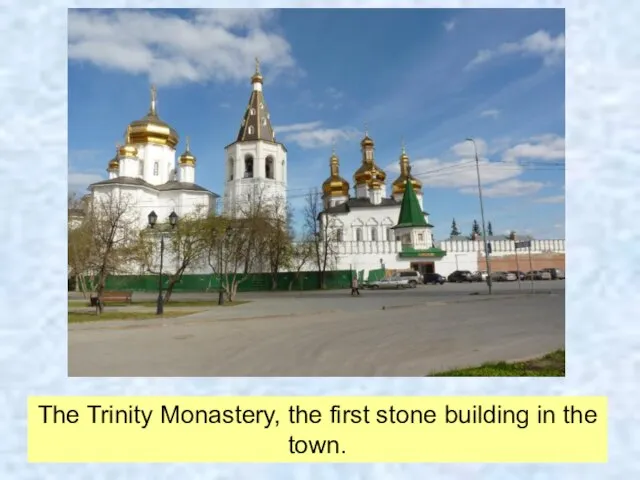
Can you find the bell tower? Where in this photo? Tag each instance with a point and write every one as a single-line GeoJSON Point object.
{"type": "Point", "coordinates": [256, 164]}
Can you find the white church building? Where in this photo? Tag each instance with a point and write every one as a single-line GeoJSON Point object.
{"type": "Point", "coordinates": [375, 230]}
{"type": "Point", "coordinates": [145, 169]}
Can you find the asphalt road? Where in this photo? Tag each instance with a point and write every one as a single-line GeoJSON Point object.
{"type": "Point", "coordinates": [381, 333]}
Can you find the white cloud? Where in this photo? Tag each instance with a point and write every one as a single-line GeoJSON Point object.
{"type": "Point", "coordinates": [492, 112]}
{"type": "Point", "coordinates": [313, 135]}
{"type": "Point", "coordinates": [552, 199]}
{"type": "Point", "coordinates": [459, 173]}
{"type": "Point", "coordinates": [540, 43]}
{"type": "Point", "coordinates": [500, 178]}
{"type": "Point", "coordinates": [78, 181]}
{"type": "Point", "coordinates": [218, 45]}
{"type": "Point", "coordinates": [297, 127]}
{"type": "Point", "coordinates": [547, 147]}
{"type": "Point", "coordinates": [509, 188]}
{"type": "Point", "coordinates": [449, 26]}
{"type": "Point", "coordinates": [466, 149]}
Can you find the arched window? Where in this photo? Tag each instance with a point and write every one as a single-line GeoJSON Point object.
{"type": "Point", "coordinates": [339, 236]}
{"type": "Point", "coordinates": [156, 167]}
{"type": "Point", "coordinates": [250, 130]}
{"type": "Point", "coordinates": [389, 235]}
{"type": "Point", "coordinates": [374, 234]}
{"type": "Point", "coordinates": [231, 167]}
{"type": "Point", "coordinates": [248, 166]}
{"type": "Point", "coordinates": [264, 122]}
{"type": "Point", "coordinates": [268, 167]}
{"type": "Point", "coordinates": [358, 234]}
{"type": "Point", "coordinates": [252, 111]}
{"type": "Point", "coordinates": [261, 105]}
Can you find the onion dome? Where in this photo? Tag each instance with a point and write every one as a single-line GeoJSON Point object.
{"type": "Point", "coordinates": [399, 185]}
{"type": "Point", "coordinates": [369, 173]}
{"type": "Point", "coordinates": [335, 185]}
{"type": "Point", "coordinates": [366, 141]}
{"type": "Point", "coordinates": [377, 178]}
{"type": "Point", "coordinates": [257, 76]}
{"type": "Point", "coordinates": [187, 158]}
{"type": "Point", "coordinates": [150, 129]}
{"type": "Point", "coordinates": [114, 163]}
{"type": "Point", "coordinates": [128, 149]}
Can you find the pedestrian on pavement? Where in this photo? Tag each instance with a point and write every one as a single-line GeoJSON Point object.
{"type": "Point", "coordinates": [354, 286]}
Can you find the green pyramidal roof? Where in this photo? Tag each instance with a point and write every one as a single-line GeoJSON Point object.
{"type": "Point", "coordinates": [411, 214]}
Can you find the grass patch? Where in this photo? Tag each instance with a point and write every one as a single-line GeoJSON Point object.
{"type": "Point", "coordinates": [152, 303]}
{"type": "Point", "coordinates": [550, 365]}
{"type": "Point", "coordinates": [81, 317]}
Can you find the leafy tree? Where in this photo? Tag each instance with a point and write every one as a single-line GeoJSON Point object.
{"type": "Point", "coordinates": [489, 229]}
{"type": "Point", "coordinates": [185, 248]}
{"type": "Point", "coordinates": [454, 229]}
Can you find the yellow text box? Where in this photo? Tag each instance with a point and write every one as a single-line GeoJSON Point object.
{"type": "Point", "coordinates": [317, 429]}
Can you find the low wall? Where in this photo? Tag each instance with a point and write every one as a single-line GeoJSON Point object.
{"type": "Point", "coordinates": [210, 283]}
{"type": "Point", "coordinates": [538, 261]}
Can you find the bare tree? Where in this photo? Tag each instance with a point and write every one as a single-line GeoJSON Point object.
{"type": "Point", "coordinates": [278, 241]}
{"type": "Point", "coordinates": [320, 230]}
{"type": "Point", "coordinates": [79, 243]}
{"type": "Point", "coordinates": [302, 253]}
{"type": "Point", "coordinates": [112, 224]}
{"type": "Point", "coordinates": [186, 248]}
{"type": "Point", "coordinates": [226, 244]}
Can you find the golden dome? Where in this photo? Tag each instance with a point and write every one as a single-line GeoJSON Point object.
{"type": "Point", "coordinates": [150, 129]}
{"type": "Point", "coordinates": [369, 172]}
{"type": "Point", "coordinates": [114, 163]}
{"type": "Point", "coordinates": [187, 158]}
{"type": "Point", "coordinates": [257, 76]}
{"type": "Point", "coordinates": [400, 183]}
{"type": "Point", "coordinates": [128, 149]}
{"type": "Point", "coordinates": [335, 185]}
{"type": "Point", "coordinates": [366, 141]}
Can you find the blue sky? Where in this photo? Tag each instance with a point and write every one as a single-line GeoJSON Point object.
{"type": "Point", "coordinates": [429, 77]}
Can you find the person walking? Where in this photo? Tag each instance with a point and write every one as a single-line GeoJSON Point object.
{"type": "Point", "coordinates": [354, 286]}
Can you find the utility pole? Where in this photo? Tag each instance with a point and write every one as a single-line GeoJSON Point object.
{"type": "Point", "coordinates": [484, 230]}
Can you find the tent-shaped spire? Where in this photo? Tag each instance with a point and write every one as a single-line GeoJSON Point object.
{"type": "Point", "coordinates": [411, 215]}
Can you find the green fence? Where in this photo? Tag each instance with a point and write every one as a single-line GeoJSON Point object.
{"type": "Point", "coordinates": [376, 275]}
{"type": "Point", "coordinates": [255, 282]}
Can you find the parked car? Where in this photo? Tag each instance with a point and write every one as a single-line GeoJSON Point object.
{"type": "Point", "coordinates": [433, 278]}
{"type": "Point", "coordinates": [538, 275]}
{"type": "Point", "coordinates": [414, 277]}
{"type": "Point", "coordinates": [479, 276]}
{"type": "Point", "coordinates": [518, 274]}
{"type": "Point", "coordinates": [503, 276]}
{"type": "Point", "coordinates": [556, 273]}
{"type": "Point", "coordinates": [460, 276]}
{"type": "Point", "coordinates": [394, 281]}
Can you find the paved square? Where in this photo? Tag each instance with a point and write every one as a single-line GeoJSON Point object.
{"type": "Point", "coordinates": [330, 333]}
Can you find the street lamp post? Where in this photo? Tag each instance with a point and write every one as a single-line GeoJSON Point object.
{"type": "Point", "coordinates": [484, 231]}
{"type": "Point", "coordinates": [173, 220]}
